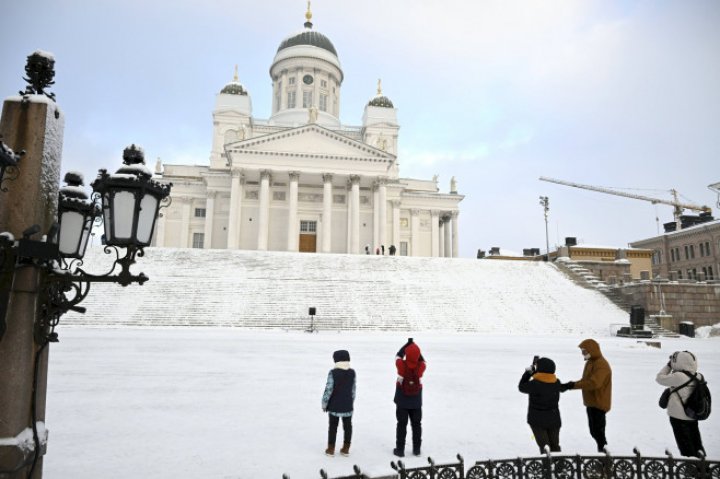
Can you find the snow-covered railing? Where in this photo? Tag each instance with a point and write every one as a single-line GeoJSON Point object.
{"type": "Point", "coordinates": [553, 466]}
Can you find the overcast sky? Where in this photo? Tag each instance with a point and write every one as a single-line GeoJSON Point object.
{"type": "Point", "coordinates": [495, 93]}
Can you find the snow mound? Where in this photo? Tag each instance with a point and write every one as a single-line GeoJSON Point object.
{"type": "Point", "coordinates": [708, 331]}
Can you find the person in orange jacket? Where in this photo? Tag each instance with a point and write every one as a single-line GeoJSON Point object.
{"type": "Point", "coordinates": [596, 386]}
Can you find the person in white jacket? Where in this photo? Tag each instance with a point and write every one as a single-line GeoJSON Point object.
{"type": "Point", "coordinates": [677, 374]}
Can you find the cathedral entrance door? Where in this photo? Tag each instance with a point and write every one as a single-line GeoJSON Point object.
{"type": "Point", "coordinates": [307, 243]}
{"type": "Point", "coordinates": [308, 237]}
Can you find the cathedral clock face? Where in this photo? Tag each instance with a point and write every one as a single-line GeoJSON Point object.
{"type": "Point", "coordinates": [308, 79]}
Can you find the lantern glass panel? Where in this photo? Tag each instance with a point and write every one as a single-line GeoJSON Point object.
{"type": "Point", "coordinates": [106, 216]}
{"type": "Point", "coordinates": [123, 213]}
{"type": "Point", "coordinates": [71, 230]}
{"type": "Point", "coordinates": [85, 236]}
{"type": "Point", "coordinates": [148, 210]}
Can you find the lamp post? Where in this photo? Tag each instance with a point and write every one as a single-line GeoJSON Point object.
{"type": "Point", "coordinates": [41, 278]}
{"type": "Point", "coordinates": [545, 203]}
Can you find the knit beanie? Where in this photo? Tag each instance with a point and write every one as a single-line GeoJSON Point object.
{"type": "Point", "coordinates": [341, 355]}
{"type": "Point", "coordinates": [546, 365]}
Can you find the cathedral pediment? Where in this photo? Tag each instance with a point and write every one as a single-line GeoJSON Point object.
{"type": "Point", "coordinates": [310, 140]}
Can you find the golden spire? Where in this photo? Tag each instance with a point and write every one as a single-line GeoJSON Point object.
{"type": "Point", "coordinates": [379, 92]}
{"type": "Point", "coordinates": [235, 76]}
{"type": "Point", "coordinates": [308, 17]}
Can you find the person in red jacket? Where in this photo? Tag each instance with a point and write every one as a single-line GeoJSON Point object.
{"type": "Point", "coordinates": [410, 366]}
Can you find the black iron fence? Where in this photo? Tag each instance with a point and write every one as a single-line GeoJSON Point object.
{"type": "Point", "coordinates": [551, 466]}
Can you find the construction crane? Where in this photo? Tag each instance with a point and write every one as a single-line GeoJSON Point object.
{"type": "Point", "coordinates": [716, 188]}
{"type": "Point", "coordinates": [675, 203]}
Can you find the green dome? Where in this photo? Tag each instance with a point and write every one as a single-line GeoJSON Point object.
{"type": "Point", "coordinates": [308, 37]}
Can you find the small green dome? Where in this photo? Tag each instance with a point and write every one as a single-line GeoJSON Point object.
{"type": "Point", "coordinates": [381, 101]}
{"type": "Point", "coordinates": [234, 88]}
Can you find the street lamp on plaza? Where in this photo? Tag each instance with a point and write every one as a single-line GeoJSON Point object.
{"type": "Point", "coordinates": [545, 203]}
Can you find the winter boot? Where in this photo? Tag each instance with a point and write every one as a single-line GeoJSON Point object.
{"type": "Point", "coordinates": [399, 452]}
{"type": "Point", "coordinates": [416, 451]}
{"type": "Point", "coordinates": [345, 451]}
{"type": "Point", "coordinates": [330, 451]}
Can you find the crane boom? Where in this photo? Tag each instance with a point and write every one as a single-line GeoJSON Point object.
{"type": "Point", "coordinates": [678, 206]}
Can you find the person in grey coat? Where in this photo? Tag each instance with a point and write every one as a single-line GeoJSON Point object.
{"type": "Point", "coordinates": [677, 374]}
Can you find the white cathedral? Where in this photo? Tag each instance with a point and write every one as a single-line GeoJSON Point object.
{"type": "Point", "coordinates": [302, 181]}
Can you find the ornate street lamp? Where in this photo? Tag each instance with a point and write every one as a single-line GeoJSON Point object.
{"type": "Point", "coordinates": [76, 216]}
{"type": "Point", "coordinates": [41, 276]}
{"type": "Point", "coordinates": [130, 201]}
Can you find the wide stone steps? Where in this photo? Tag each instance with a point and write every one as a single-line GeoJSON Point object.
{"type": "Point", "coordinates": [273, 290]}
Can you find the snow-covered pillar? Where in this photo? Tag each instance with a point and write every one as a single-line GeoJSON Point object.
{"type": "Point", "coordinates": [185, 222]}
{"type": "Point", "coordinates": [355, 218]}
{"type": "Point", "coordinates": [434, 234]}
{"type": "Point", "coordinates": [36, 126]}
{"type": "Point", "coordinates": [327, 213]}
{"type": "Point", "coordinates": [448, 236]}
{"type": "Point", "coordinates": [264, 211]}
{"type": "Point", "coordinates": [441, 237]}
{"type": "Point", "coordinates": [348, 216]}
{"type": "Point", "coordinates": [236, 192]}
{"type": "Point", "coordinates": [376, 216]}
{"type": "Point", "coordinates": [455, 233]}
{"type": "Point", "coordinates": [414, 232]}
{"type": "Point", "coordinates": [160, 229]}
{"type": "Point", "coordinates": [292, 243]}
{"type": "Point", "coordinates": [209, 218]}
{"type": "Point", "coordinates": [396, 223]}
{"type": "Point", "coordinates": [382, 227]}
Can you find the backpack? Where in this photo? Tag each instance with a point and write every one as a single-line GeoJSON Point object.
{"type": "Point", "coordinates": [699, 403]}
{"type": "Point", "coordinates": [411, 382]}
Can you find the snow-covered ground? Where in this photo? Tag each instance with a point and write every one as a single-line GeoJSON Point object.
{"type": "Point", "coordinates": [232, 403]}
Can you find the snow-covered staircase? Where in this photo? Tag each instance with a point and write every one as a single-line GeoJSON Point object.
{"type": "Point", "coordinates": [253, 289]}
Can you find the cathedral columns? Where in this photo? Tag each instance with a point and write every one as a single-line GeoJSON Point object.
{"type": "Point", "coordinates": [264, 211]}
{"type": "Point", "coordinates": [185, 225]}
{"type": "Point", "coordinates": [209, 217]}
{"type": "Point", "coordinates": [327, 213]}
{"type": "Point", "coordinates": [355, 214]}
{"type": "Point", "coordinates": [455, 233]}
{"type": "Point", "coordinates": [236, 193]}
{"type": "Point", "coordinates": [292, 242]}
{"type": "Point", "coordinates": [396, 223]}
{"type": "Point", "coordinates": [414, 233]}
{"type": "Point", "coordinates": [441, 237]}
{"type": "Point", "coordinates": [382, 235]}
{"type": "Point", "coordinates": [376, 216]}
{"type": "Point", "coordinates": [434, 234]}
{"type": "Point", "coordinates": [448, 236]}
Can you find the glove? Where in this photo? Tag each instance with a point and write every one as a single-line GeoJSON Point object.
{"type": "Point", "coordinates": [567, 386]}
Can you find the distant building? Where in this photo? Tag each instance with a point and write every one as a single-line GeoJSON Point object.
{"type": "Point", "coordinates": [605, 262]}
{"type": "Point", "coordinates": [690, 253]}
{"type": "Point", "coordinates": [302, 181]}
